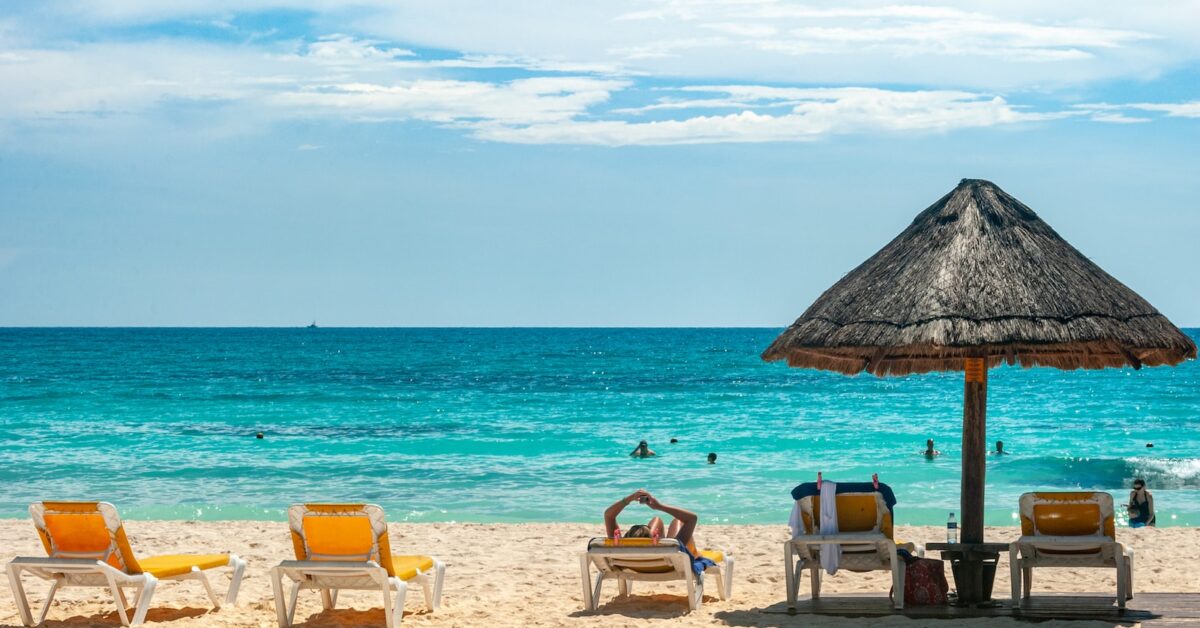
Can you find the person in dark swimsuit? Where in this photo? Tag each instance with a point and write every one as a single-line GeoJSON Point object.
{"type": "Point", "coordinates": [1141, 505]}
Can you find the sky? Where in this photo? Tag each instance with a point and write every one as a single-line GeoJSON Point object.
{"type": "Point", "coordinates": [549, 163]}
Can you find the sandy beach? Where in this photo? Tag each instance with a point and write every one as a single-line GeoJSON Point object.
{"type": "Point", "coordinates": [528, 575]}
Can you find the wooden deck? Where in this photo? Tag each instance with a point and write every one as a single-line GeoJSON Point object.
{"type": "Point", "coordinates": [1149, 609]}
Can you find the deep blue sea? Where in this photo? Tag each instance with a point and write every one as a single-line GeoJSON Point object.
{"type": "Point", "coordinates": [537, 424]}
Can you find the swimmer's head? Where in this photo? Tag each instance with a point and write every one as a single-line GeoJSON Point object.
{"type": "Point", "coordinates": [1139, 484]}
{"type": "Point", "coordinates": [999, 445]}
{"type": "Point", "coordinates": [643, 445]}
{"type": "Point", "coordinates": [712, 458]}
{"type": "Point", "coordinates": [929, 443]}
{"type": "Point", "coordinates": [639, 531]}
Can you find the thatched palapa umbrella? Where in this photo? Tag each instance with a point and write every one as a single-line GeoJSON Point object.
{"type": "Point", "coordinates": [978, 280]}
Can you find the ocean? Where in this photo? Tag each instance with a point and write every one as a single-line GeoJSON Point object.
{"type": "Point", "coordinates": [510, 425]}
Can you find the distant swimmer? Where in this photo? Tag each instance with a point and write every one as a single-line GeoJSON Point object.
{"type": "Point", "coordinates": [259, 436]}
{"type": "Point", "coordinates": [999, 449]}
{"type": "Point", "coordinates": [642, 451]}
{"type": "Point", "coordinates": [674, 440]}
{"type": "Point", "coordinates": [712, 458]}
{"type": "Point", "coordinates": [930, 452]}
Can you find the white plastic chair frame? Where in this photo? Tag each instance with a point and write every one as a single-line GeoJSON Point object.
{"type": "Point", "coordinates": [86, 572]}
{"type": "Point", "coordinates": [803, 552]}
{"type": "Point", "coordinates": [627, 565]}
{"type": "Point", "coordinates": [329, 577]}
{"type": "Point", "coordinates": [1028, 551]}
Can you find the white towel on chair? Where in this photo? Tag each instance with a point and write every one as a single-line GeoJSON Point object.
{"type": "Point", "coordinates": [830, 554]}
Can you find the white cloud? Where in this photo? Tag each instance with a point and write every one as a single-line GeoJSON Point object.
{"type": "Point", "coordinates": [1108, 112]}
{"type": "Point", "coordinates": [561, 96]}
{"type": "Point", "coordinates": [814, 113]}
{"type": "Point", "coordinates": [979, 45]}
{"type": "Point", "coordinates": [522, 101]}
{"type": "Point", "coordinates": [1117, 118]}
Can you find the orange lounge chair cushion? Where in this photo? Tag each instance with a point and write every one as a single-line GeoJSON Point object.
{"type": "Point", "coordinates": [169, 565]}
{"type": "Point", "coordinates": [405, 567]}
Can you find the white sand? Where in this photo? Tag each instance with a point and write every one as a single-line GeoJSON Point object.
{"type": "Point", "coordinates": [528, 575]}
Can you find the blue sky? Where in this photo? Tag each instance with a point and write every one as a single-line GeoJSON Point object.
{"type": "Point", "coordinates": [718, 162]}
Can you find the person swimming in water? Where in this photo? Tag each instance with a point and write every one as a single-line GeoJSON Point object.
{"type": "Point", "coordinates": [930, 452]}
{"type": "Point", "coordinates": [1141, 505]}
{"type": "Point", "coordinates": [999, 449]}
{"type": "Point", "coordinates": [642, 451]}
{"type": "Point", "coordinates": [682, 528]}
{"type": "Point", "coordinates": [712, 458]}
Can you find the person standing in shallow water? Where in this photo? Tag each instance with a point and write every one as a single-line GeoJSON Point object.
{"type": "Point", "coordinates": [930, 452]}
{"type": "Point", "coordinates": [642, 451]}
{"type": "Point", "coordinates": [1141, 505]}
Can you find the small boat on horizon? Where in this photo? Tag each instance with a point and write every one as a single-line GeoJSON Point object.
{"type": "Point", "coordinates": [312, 325]}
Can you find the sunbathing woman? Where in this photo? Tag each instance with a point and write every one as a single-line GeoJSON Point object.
{"type": "Point", "coordinates": [682, 527]}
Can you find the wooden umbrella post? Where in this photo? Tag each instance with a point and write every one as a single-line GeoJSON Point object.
{"type": "Point", "coordinates": [974, 449]}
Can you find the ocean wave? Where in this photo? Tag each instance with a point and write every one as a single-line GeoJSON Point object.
{"type": "Point", "coordinates": [1101, 473]}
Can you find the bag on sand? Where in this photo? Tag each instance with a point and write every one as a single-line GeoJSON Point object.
{"type": "Point", "coordinates": [925, 583]}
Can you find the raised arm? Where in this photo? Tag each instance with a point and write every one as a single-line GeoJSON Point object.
{"type": "Point", "coordinates": [686, 518]}
{"type": "Point", "coordinates": [610, 513]}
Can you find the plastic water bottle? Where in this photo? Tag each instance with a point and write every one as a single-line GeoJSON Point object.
{"type": "Point", "coordinates": [616, 536]}
{"type": "Point", "coordinates": [951, 530]}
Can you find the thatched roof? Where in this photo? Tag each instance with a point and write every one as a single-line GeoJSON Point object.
{"type": "Point", "coordinates": [978, 274]}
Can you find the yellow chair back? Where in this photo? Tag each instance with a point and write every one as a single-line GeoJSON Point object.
{"type": "Point", "coordinates": [1068, 513]}
{"type": "Point", "coordinates": [70, 529]}
{"type": "Point", "coordinates": [341, 532]}
{"type": "Point", "coordinates": [856, 512]}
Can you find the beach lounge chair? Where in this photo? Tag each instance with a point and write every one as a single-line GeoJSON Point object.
{"type": "Point", "coordinates": [641, 559]}
{"type": "Point", "coordinates": [86, 546]}
{"type": "Point", "coordinates": [345, 546]}
{"type": "Point", "coordinates": [864, 517]}
{"type": "Point", "coordinates": [1068, 529]}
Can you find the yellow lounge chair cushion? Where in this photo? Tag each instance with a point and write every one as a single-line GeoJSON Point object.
{"type": "Point", "coordinates": [170, 565]}
{"type": "Point", "coordinates": [405, 567]}
{"type": "Point", "coordinates": [713, 555]}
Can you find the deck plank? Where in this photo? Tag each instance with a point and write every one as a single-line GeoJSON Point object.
{"type": "Point", "coordinates": [1147, 608]}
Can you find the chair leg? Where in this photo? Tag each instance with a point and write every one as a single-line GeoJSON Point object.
{"type": "Point", "coordinates": [394, 611]}
{"type": "Point", "coordinates": [1129, 574]}
{"type": "Point", "coordinates": [897, 581]}
{"type": "Point", "coordinates": [119, 598]}
{"type": "Point", "coordinates": [18, 591]}
{"type": "Point", "coordinates": [326, 600]}
{"type": "Point", "coordinates": [281, 611]}
{"type": "Point", "coordinates": [695, 592]}
{"type": "Point", "coordinates": [596, 590]}
{"type": "Point", "coordinates": [791, 575]}
{"type": "Point", "coordinates": [584, 572]}
{"type": "Point", "coordinates": [203, 578]}
{"type": "Point", "coordinates": [333, 594]}
{"type": "Point", "coordinates": [727, 575]}
{"type": "Point", "coordinates": [427, 589]}
{"type": "Point", "coordinates": [622, 586]}
{"type": "Point", "coordinates": [814, 574]}
{"type": "Point", "coordinates": [143, 600]}
{"type": "Point", "coordinates": [439, 569]}
{"type": "Point", "coordinates": [1119, 559]}
{"type": "Point", "coordinates": [235, 581]}
{"type": "Point", "coordinates": [291, 616]}
{"type": "Point", "coordinates": [49, 600]}
{"type": "Point", "coordinates": [1026, 579]}
{"type": "Point", "coordinates": [1014, 573]}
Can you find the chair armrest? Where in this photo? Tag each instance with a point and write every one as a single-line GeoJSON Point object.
{"type": "Point", "coordinates": [864, 538]}
{"type": "Point", "coordinates": [1081, 541]}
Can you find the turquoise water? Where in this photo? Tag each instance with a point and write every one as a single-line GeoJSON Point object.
{"type": "Point", "coordinates": [536, 424]}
